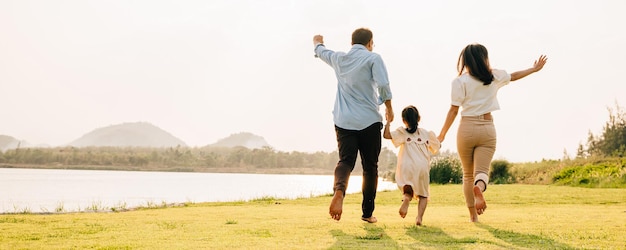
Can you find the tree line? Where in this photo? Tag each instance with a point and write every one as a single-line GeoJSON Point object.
{"type": "Point", "coordinates": [612, 141]}
{"type": "Point", "coordinates": [188, 159]}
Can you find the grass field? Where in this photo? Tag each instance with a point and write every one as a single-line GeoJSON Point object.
{"type": "Point", "coordinates": [518, 217]}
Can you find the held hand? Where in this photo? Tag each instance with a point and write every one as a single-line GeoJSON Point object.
{"type": "Point", "coordinates": [538, 65]}
{"type": "Point", "coordinates": [389, 115]}
{"type": "Point", "coordinates": [440, 138]}
{"type": "Point", "coordinates": [318, 39]}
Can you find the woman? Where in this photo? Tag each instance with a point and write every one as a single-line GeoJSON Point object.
{"type": "Point", "coordinates": [475, 89]}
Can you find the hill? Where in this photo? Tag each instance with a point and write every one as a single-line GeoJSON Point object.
{"type": "Point", "coordinates": [9, 142]}
{"type": "Point", "coordinates": [243, 139]}
{"type": "Point", "coordinates": [138, 134]}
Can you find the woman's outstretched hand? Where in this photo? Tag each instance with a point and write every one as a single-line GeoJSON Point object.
{"type": "Point", "coordinates": [538, 65]}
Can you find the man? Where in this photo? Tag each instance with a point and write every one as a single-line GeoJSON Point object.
{"type": "Point", "coordinates": [362, 86]}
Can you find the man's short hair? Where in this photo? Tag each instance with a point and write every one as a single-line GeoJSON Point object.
{"type": "Point", "coordinates": [362, 36]}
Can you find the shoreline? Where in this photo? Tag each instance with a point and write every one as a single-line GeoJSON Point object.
{"type": "Point", "coordinates": [233, 170]}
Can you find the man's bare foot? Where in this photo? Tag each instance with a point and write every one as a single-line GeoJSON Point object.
{"type": "Point", "coordinates": [370, 219]}
{"type": "Point", "coordinates": [479, 201]}
{"type": "Point", "coordinates": [404, 208]}
{"type": "Point", "coordinates": [336, 205]}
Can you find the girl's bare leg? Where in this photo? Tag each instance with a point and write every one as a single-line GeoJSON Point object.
{"type": "Point", "coordinates": [407, 196]}
{"type": "Point", "coordinates": [421, 208]}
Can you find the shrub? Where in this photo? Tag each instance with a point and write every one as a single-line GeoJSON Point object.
{"type": "Point", "coordinates": [446, 169]}
{"type": "Point", "coordinates": [389, 175]}
{"type": "Point", "coordinates": [500, 172]}
{"type": "Point", "coordinates": [609, 174]}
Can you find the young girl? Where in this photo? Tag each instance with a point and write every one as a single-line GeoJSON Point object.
{"type": "Point", "coordinates": [416, 148]}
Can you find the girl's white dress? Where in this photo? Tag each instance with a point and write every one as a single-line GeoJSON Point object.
{"type": "Point", "coordinates": [414, 157]}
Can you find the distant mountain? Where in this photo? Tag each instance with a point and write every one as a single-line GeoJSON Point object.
{"type": "Point", "coordinates": [138, 134]}
{"type": "Point", "coordinates": [243, 139]}
{"type": "Point", "coordinates": [9, 142]}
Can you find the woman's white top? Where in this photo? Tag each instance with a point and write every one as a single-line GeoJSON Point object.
{"type": "Point", "coordinates": [474, 97]}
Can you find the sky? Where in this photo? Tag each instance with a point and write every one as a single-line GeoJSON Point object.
{"type": "Point", "coordinates": [203, 70]}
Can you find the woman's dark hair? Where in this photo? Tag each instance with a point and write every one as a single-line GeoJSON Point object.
{"type": "Point", "coordinates": [411, 116]}
{"type": "Point", "coordinates": [475, 58]}
{"type": "Point", "coordinates": [362, 36]}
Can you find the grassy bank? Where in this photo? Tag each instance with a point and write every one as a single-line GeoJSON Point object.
{"type": "Point", "coordinates": [518, 217]}
{"type": "Point", "coordinates": [593, 172]}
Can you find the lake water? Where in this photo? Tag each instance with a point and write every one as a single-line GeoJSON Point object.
{"type": "Point", "coordinates": [52, 190]}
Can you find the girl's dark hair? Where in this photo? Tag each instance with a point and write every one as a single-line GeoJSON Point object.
{"type": "Point", "coordinates": [475, 58]}
{"type": "Point", "coordinates": [411, 116]}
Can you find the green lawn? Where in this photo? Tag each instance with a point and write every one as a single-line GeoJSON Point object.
{"type": "Point", "coordinates": [518, 217]}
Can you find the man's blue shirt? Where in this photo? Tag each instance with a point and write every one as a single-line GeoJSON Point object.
{"type": "Point", "coordinates": [362, 85]}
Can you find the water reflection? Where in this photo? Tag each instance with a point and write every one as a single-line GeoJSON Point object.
{"type": "Point", "coordinates": [52, 190]}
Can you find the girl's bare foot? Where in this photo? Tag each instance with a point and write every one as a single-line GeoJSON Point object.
{"type": "Point", "coordinates": [336, 205]}
{"type": "Point", "coordinates": [418, 221]}
{"type": "Point", "coordinates": [479, 201]}
{"type": "Point", "coordinates": [404, 208]}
